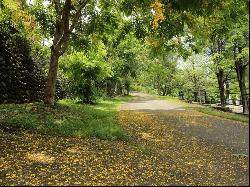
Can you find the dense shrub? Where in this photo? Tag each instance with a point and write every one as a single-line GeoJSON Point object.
{"type": "Point", "coordinates": [22, 71]}
{"type": "Point", "coordinates": [86, 75]}
{"type": "Point", "coordinates": [20, 78]}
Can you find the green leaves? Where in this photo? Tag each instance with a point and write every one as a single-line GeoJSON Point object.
{"type": "Point", "coordinates": [244, 55]}
{"type": "Point", "coordinates": [85, 72]}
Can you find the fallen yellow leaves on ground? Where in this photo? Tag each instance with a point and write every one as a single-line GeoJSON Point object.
{"type": "Point", "coordinates": [157, 154]}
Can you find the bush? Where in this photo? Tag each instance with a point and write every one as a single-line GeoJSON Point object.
{"type": "Point", "coordinates": [85, 74]}
{"type": "Point", "coordinates": [20, 78]}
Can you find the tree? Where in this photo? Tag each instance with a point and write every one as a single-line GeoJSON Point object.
{"type": "Point", "coordinates": [193, 78]}
{"type": "Point", "coordinates": [86, 72]}
{"type": "Point", "coordinates": [225, 32]}
{"type": "Point", "coordinates": [239, 46]}
{"type": "Point", "coordinates": [241, 61]}
{"type": "Point", "coordinates": [67, 15]}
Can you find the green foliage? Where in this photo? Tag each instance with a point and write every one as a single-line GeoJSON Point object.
{"type": "Point", "coordinates": [45, 16]}
{"type": "Point", "coordinates": [158, 73]}
{"type": "Point", "coordinates": [244, 55]}
{"type": "Point", "coordinates": [115, 48]}
{"type": "Point", "coordinates": [85, 72]}
{"type": "Point", "coordinates": [123, 59]}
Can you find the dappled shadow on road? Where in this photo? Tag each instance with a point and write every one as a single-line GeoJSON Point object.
{"type": "Point", "coordinates": [212, 130]}
{"type": "Point", "coordinates": [160, 154]}
{"type": "Point", "coordinates": [193, 160]}
{"type": "Point", "coordinates": [179, 109]}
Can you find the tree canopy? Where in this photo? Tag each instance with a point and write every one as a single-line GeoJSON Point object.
{"type": "Point", "coordinates": [110, 47]}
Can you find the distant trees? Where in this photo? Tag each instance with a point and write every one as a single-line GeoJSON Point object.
{"type": "Point", "coordinates": [159, 74]}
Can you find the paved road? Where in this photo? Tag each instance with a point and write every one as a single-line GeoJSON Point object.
{"type": "Point", "coordinates": [147, 102]}
{"type": "Point", "coordinates": [211, 130]}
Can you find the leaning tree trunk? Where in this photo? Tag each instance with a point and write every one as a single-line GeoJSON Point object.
{"type": "Point", "coordinates": [51, 81]}
{"type": "Point", "coordinates": [182, 95]}
{"type": "Point", "coordinates": [220, 78]}
{"type": "Point", "coordinates": [240, 70]}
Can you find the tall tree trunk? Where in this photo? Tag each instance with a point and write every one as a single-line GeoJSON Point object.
{"type": "Point", "coordinates": [205, 97]}
{"type": "Point", "coordinates": [195, 96]}
{"type": "Point", "coordinates": [199, 95]}
{"type": "Point", "coordinates": [164, 90]}
{"type": "Point", "coordinates": [51, 80]}
{"type": "Point", "coordinates": [109, 88]}
{"type": "Point", "coordinates": [115, 91]}
{"type": "Point", "coordinates": [220, 78]}
{"type": "Point", "coordinates": [181, 95]}
{"type": "Point", "coordinates": [227, 92]}
{"type": "Point", "coordinates": [240, 69]}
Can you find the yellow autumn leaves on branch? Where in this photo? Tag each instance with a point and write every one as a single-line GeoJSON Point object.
{"type": "Point", "coordinates": [158, 13]}
{"type": "Point", "coordinates": [19, 14]}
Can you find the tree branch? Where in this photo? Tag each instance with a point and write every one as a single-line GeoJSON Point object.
{"type": "Point", "coordinates": [61, 43]}
{"type": "Point", "coordinates": [66, 15]}
{"type": "Point", "coordinates": [57, 6]}
{"type": "Point", "coordinates": [78, 14]}
{"type": "Point", "coordinates": [64, 25]}
{"type": "Point", "coordinates": [64, 47]}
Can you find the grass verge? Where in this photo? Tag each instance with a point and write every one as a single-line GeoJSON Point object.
{"type": "Point", "coordinates": [226, 115]}
{"type": "Point", "coordinates": [69, 118]}
{"type": "Point", "coordinates": [207, 110]}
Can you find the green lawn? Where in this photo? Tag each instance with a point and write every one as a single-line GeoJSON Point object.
{"type": "Point", "coordinates": [69, 118]}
